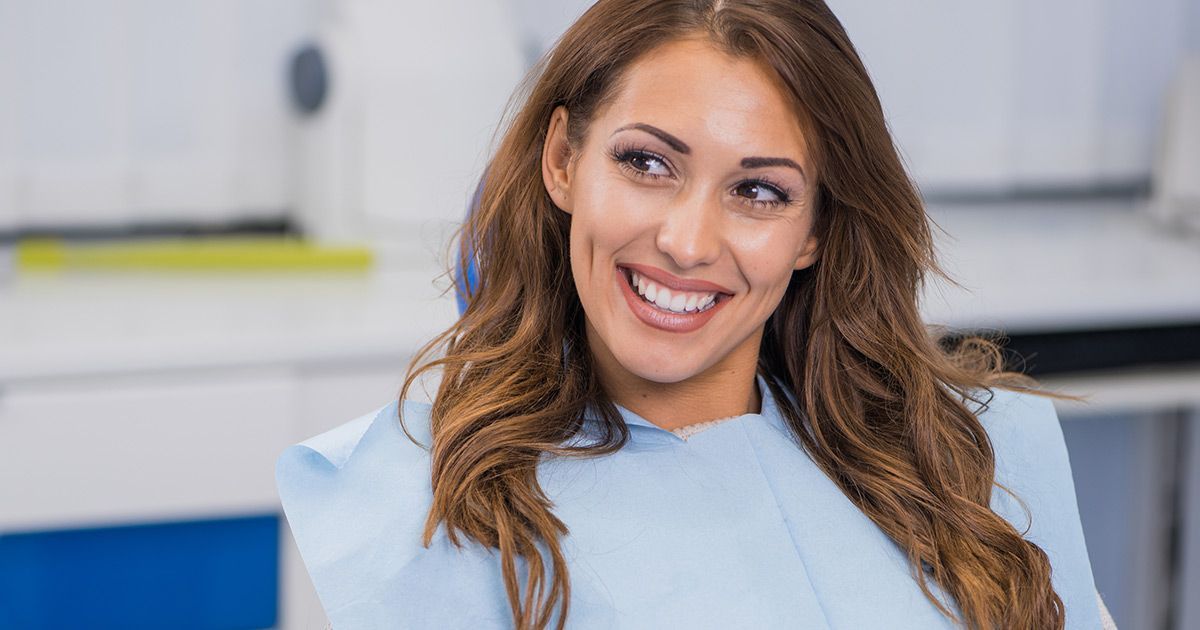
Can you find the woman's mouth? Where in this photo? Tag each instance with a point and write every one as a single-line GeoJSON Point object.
{"type": "Point", "coordinates": [667, 300]}
{"type": "Point", "coordinates": [667, 309]}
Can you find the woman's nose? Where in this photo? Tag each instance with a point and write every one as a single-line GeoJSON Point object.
{"type": "Point", "coordinates": [689, 232]}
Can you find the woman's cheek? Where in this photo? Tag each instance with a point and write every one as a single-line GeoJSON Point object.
{"type": "Point", "coordinates": [626, 211]}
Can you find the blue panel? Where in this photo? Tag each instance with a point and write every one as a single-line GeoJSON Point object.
{"type": "Point", "coordinates": [466, 280]}
{"type": "Point", "coordinates": [469, 284]}
{"type": "Point", "coordinates": [198, 574]}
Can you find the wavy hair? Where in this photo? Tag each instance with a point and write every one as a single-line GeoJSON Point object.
{"type": "Point", "coordinates": [875, 397]}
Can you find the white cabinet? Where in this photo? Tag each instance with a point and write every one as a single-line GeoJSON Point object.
{"type": "Point", "coordinates": [129, 448]}
{"type": "Point", "coordinates": [176, 445]}
{"type": "Point", "coordinates": [131, 399]}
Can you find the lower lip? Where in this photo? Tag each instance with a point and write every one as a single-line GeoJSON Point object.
{"type": "Point", "coordinates": [670, 322]}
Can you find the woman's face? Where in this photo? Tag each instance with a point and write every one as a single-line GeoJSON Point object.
{"type": "Point", "coordinates": [694, 179]}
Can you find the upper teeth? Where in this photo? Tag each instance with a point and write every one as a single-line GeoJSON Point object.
{"type": "Point", "coordinates": [675, 301]}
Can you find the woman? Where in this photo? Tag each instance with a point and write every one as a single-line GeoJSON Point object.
{"type": "Point", "coordinates": [698, 220]}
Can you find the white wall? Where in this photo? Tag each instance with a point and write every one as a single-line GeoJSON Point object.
{"type": "Point", "coordinates": [990, 96]}
{"type": "Point", "coordinates": [136, 110]}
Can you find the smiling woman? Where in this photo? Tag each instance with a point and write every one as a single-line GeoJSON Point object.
{"type": "Point", "coordinates": [698, 214]}
{"type": "Point", "coordinates": [686, 198]}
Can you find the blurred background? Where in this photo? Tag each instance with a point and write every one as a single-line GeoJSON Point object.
{"type": "Point", "coordinates": [222, 224]}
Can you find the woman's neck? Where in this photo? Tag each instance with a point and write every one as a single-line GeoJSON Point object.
{"type": "Point", "coordinates": [729, 388]}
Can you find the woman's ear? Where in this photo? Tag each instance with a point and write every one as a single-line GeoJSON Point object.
{"type": "Point", "coordinates": [809, 252]}
{"type": "Point", "coordinates": [556, 160]}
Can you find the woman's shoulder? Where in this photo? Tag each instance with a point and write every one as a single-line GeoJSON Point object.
{"type": "Point", "coordinates": [334, 448]}
{"type": "Point", "coordinates": [1036, 491]}
{"type": "Point", "coordinates": [1029, 447]}
{"type": "Point", "coordinates": [1028, 443]}
{"type": "Point", "coordinates": [349, 469]}
{"type": "Point", "coordinates": [1012, 416]}
{"type": "Point", "coordinates": [356, 498]}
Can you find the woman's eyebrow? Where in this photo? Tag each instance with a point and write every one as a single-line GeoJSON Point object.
{"type": "Point", "coordinates": [678, 145]}
{"type": "Point", "coordinates": [672, 141]}
{"type": "Point", "coordinates": [763, 162]}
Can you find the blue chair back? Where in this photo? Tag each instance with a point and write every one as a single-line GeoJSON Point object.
{"type": "Point", "coordinates": [468, 280]}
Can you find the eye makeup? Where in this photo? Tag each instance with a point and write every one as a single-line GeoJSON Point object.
{"type": "Point", "coordinates": [627, 155]}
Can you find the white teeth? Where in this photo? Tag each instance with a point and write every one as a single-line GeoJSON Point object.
{"type": "Point", "coordinates": [668, 300]}
{"type": "Point", "coordinates": [663, 300]}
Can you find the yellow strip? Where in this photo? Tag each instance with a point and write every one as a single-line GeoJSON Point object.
{"type": "Point", "coordinates": [216, 253]}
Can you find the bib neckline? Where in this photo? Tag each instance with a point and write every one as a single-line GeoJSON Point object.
{"type": "Point", "coordinates": [768, 410]}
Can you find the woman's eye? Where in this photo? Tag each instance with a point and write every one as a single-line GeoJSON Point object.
{"type": "Point", "coordinates": [641, 163]}
{"type": "Point", "coordinates": [759, 192]}
{"type": "Point", "coordinates": [762, 194]}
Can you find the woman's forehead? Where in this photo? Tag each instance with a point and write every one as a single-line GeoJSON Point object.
{"type": "Point", "coordinates": [707, 98]}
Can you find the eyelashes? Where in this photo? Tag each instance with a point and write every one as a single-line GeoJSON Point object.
{"type": "Point", "coordinates": [625, 155]}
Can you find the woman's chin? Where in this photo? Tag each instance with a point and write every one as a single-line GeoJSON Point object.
{"type": "Point", "coordinates": [660, 370]}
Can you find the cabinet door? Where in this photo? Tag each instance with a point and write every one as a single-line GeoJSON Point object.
{"type": "Point", "coordinates": [118, 449]}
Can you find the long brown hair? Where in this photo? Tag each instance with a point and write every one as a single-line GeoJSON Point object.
{"type": "Point", "coordinates": [880, 401]}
